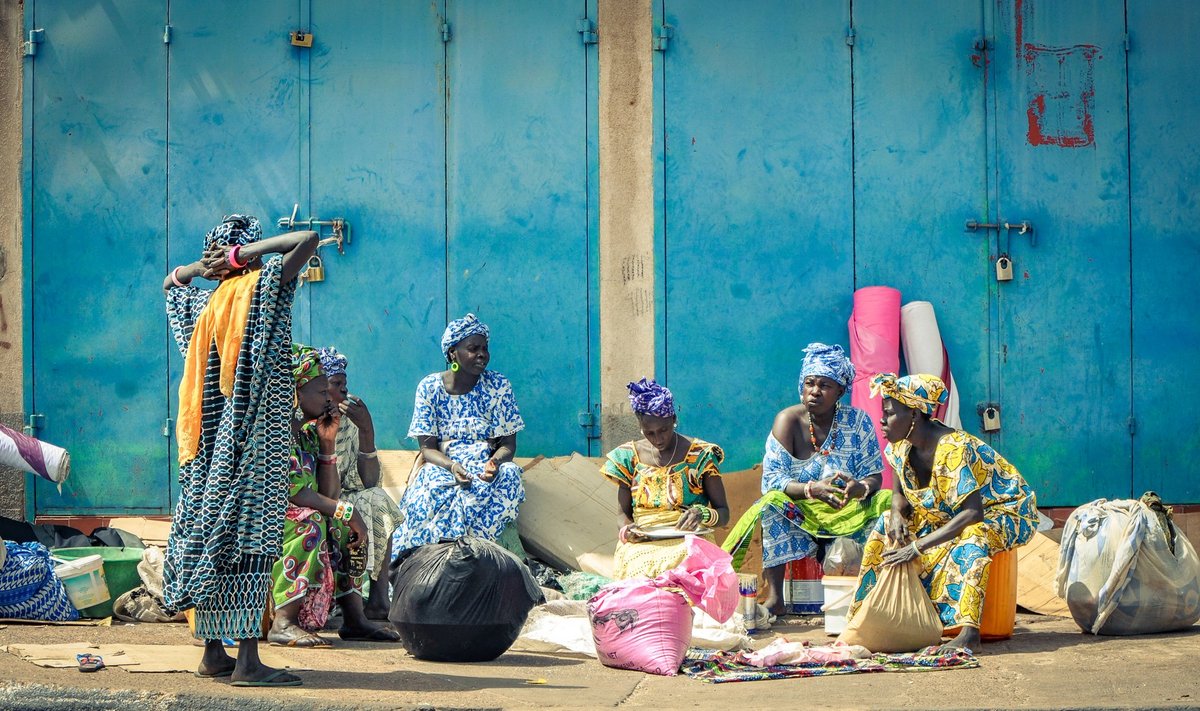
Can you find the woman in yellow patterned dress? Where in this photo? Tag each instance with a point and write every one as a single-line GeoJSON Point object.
{"type": "Point", "coordinates": [664, 479]}
{"type": "Point", "coordinates": [956, 502]}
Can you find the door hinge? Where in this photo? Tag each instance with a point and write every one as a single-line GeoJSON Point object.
{"type": "Point", "coordinates": [168, 427]}
{"type": "Point", "coordinates": [587, 31]}
{"type": "Point", "coordinates": [1125, 42]}
{"type": "Point", "coordinates": [850, 35]}
{"type": "Point", "coordinates": [36, 37]}
{"type": "Point", "coordinates": [1132, 422]}
{"type": "Point", "coordinates": [33, 423]}
{"type": "Point", "coordinates": [662, 37]}
{"type": "Point", "coordinates": [445, 32]}
{"type": "Point", "coordinates": [588, 421]}
{"type": "Point", "coordinates": [166, 34]}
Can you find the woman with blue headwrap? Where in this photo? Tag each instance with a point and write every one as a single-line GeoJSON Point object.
{"type": "Point", "coordinates": [956, 503]}
{"type": "Point", "coordinates": [466, 421]}
{"type": "Point", "coordinates": [664, 481]}
{"type": "Point", "coordinates": [822, 461]}
{"type": "Point", "coordinates": [235, 398]}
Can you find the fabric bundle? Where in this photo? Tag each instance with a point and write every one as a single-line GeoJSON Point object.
{"type": "Point", "coordinates": [28, 454]}
{"type": "Point", "coordinates": [29, 589]}
{"type": "Point", "coordinates": [925, 352]}
{"type": "Point", "coordinates": [874, 348]}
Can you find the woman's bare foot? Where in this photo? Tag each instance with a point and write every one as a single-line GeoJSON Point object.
{"type": "Point", "coordinates": [967, 639]}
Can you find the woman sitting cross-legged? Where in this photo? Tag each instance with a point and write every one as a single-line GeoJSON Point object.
{"type": "Point", "coordinates": [466, 421]}
{"type": "Point", "coordinates": [663, 480]}
{"type": "Point", "coordinates": [956, 503]}
{"type": "Point", "coordinates": [323, 537]}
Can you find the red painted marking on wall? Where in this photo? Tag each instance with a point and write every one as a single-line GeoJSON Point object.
{"type": "Point", "coordinates": [1062, 84]}
{"type": "Point", "coordinates": [1019, 9]}
{"type": "Point", "coordinates": [1026, 275]}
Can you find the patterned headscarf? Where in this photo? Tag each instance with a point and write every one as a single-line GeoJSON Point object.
{"type": "Point", "coordinates": [234, 229]}
{"type": "Point", "coordinates": [332, 362]}
{"type": "Point", "coordinates": [828, 362]}
{"type": "Point", "coordinates": [306, 364]}
{"type": "Point", "coordinates": [647, 397]}
{"type": "Point", "coordinates": [460, 329]}
{"type": "Point", "coordinates": [920, 392]}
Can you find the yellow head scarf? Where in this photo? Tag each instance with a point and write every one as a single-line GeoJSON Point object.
{"type": "Point", "coordinates": [919, 391]}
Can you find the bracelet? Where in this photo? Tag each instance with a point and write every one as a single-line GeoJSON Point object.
{"type": "Point", "coordinates": [373, 454]}
{"type": "Point", "coordinates": [344, 511]}
{"type": "Point", "coordinates": [808, 489]}
{"type": "Point", "coordinates": [348, 513]}
{"type": "Point", "coordinates": [707, 514]}
{"type": "Point", "coordinates": [327, 458]}
{"type": "Point", "coordinates": [339, 510]}
{"type": "Point", "coordinates": [621, 534]}
{"type": "Point", "coordinates": [175, 277]}
{"type": "Point", "coordinates": [233, 255]}
{"type": "Point", "coordinates": [915, 549]}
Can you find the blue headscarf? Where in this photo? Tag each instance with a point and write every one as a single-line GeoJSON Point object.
{"type": "Point", "coordinates": [647, 397]}
{"type": "Point", "coordinates": [828, 362]}
{"type": "Point", "coordinates": [460, 329]}
{"type": "Point", "coordinates": [234, 229]}
{"type": "Point", "coordinates": [332, 362]}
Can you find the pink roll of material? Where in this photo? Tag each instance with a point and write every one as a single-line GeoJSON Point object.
{"type": "Point", "coordinates": [874, 348]}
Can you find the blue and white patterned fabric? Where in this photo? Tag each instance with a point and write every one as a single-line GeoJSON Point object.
{"type": "Point", "coordinates": [434, 506]}
{"type": "Point", "coordinates": [29, 589]}
{"type": "Point", "coordinates": [853, 449]}
{"type": "Point", "coordinates": [828, 362]}
{"type": "Point", "coordinates": [460, 329]}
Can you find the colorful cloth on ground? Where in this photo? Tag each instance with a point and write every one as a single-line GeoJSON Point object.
{"type": "Point", "coordinates": [660, 495]}
{"type": "Point", "coordinates": [828, 362]}
{"type": "Point", "coordinates": [234, 230]}
{"type": "Point", "coordinates": [312, 569]}
{"type": "Point", "coordinates": [228, 523]}
{"type": "Point", "coordinates": [29, 589]}
{"type": "Point", "coordinates": [816, 518]}
{"type": "Point", "coordinates": [379, 512]}
{"type": "Point", "coordinates": [461, 329]}
{"type": "Point", "coordinates": [332, 362]}
{"type": "Point", "coordinates": [647, 397]}
{"type": "Point", "coordinates": [955, 573]}
{"type": "Point", "coordinates": [306, 364]}
{"type": "Point", "coordinates": [919, 392]}
{"type": "Point", "coordinates": [434, 506]}
{"type": "Point", "coordinates": [853, 451]}
{"type": "Point", "coordinates": [220, 327]}
{"type": "Point", "coordinates": [719, 667]}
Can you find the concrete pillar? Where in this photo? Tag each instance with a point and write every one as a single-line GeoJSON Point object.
{"type": "Point", "coordinates": [626, 209]}
{"type": "Point", "coordinates": [12, 395]}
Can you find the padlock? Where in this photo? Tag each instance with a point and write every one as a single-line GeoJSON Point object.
{"type": "Point", "coordinates": [316, 269]}
{"type": "Point", "coordinates": [991, 418]}
{"type": "Point", "coordinates": [1004, 268]}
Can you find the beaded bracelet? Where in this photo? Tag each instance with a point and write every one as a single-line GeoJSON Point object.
{"type": "Point", "coordinates": [707, 514]}
{"type": "Point", "coordinates": [175, 277]}
{"type": "Point", "coordinates": [348, 512]}
{"type": "Point", "coordinates": [341, 508]}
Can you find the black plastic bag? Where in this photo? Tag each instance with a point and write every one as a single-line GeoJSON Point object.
{"type": "Point", "coordinates": [461, 601]}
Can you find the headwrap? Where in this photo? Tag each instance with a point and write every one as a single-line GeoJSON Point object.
{"type": "Point", "coordinates": [649, 398]}
{"type": "Point", "coordinates": [460, 329]}
{"type": "Point", "coordinates": [919, 392]}
{"type": "Point", "coordinates": [306, 364]}
{"type": "Point", "coordinates": [332, 362]}
{"type": "Point", "coordinates": [234, 229]}
{"type": "Point", "coordinates": [828, 362]}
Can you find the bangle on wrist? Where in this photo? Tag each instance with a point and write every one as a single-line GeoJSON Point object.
{"type": "Point", "coordinates": [233, 255]}
{"type": "Point", "coordinates": [623, 533]}
{"type": "Point", "coordinates": [327, 458]}
{"type": "Point", "coordinates": [808, 489]}
{"type": "Point", "coordinates": [373, 454]}
{"type": "Point", "coordinates": [175, 277]}
{"type": "Point", "coordinates": [915, 548]}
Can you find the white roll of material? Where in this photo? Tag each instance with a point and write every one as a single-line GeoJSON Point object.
{"type": "Point", "coordinates": [20, 451]}
{"type": "Point", "coordinates": [925, 352]}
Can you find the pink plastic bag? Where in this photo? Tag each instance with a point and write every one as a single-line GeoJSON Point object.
{"type": "Point", "coordinates": [646, 625]}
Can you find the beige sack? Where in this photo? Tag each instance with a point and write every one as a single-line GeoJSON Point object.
{"type": "Point", "coordinates": [897, 615]}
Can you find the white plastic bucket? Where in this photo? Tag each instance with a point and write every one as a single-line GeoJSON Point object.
{"type": "Point", "coordinates": [84, 580]}
{"type": "Point", "coordinates": [839, 592]}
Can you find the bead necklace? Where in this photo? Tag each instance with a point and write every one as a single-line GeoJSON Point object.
{"type": "Point", "coordinates": [812, 433]}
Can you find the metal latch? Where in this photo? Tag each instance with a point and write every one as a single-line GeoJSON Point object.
{"type": "Point", "coordinates": [338, 227]}
{"type": "Point", "coordinates": [1023, 227]}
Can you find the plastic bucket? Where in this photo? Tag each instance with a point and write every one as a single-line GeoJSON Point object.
{"type": "Point", "coordinates": [839, 592]}
{"type": "Point", "coordinates": [120, 572]}
{"type": "Point", "coordinates": [84, 581]}
{"type": "Point", "coordinates": [999, 601]}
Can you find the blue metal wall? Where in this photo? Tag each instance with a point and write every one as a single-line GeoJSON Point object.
{"type": "Point", "coordinates": [140, 141]}
{"type": "Point", "coordinates": [810, 150]}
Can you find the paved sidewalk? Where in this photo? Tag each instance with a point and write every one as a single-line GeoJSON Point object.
{"type": "Point", "coordinates": [1048, 664]}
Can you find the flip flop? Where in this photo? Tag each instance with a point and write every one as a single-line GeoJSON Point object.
{"type": "Point", "coordinates": [271, 680]}
{"type": "Point", "coordinates": [379, 634]}
{"type": "Point", "coordinates": [320, 642]}
{"type": "Point", "coordinates": [214, 675]}
{"type": "Point", "coordinates": [89, 662]}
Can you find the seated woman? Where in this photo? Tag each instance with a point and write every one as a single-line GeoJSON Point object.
{"type": "Point", "coordinates": [956, 503]}
{"type": "Point", "coordinates": [823, 455]}
{"type": "Point", "coordinates": [466, 421]}
{"type": "Point", "coordinates": [322, 536]}
{"type": "Point", "coordinates": [358, 472]}
{"type": "Point", "coordinates": [663, 479]}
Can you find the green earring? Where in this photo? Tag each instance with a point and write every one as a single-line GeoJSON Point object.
{"type": "Point", "coordinates": [454, 366]}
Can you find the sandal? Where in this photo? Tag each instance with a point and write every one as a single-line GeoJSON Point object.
{"type": "Point", "coordinates": [279, 677]}
{"type": "Point", "coordinates": [89, 662]}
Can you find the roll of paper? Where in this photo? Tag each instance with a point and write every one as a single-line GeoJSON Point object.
{"type": "Point", "coordinates": [925, 352]}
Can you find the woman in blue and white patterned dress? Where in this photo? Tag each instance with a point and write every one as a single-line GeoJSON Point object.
{"type": "Point", "coordinates": [465, 420]}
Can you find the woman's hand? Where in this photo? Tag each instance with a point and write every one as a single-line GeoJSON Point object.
{"type": "Point", "coordinates": [490, 468]}
{"type": "Point", "coordinates": [690, 520]}
{"type": "Point", "coordinates": [903, 554]}
{"type": "Point", "coordinates": [633, 534]}
{"type": "Point", "coordinates": [461, 476]}
{"type": "Point", "coordinates": [327, 429]}
{"type": "Point", "coordinates": [355, 410]}
{"type": "Point", "coordinates": [897, 528]}
{"type": "Point", "coordinates": [358, 530]}
{"type": "Point", "coordinates": [856, 490]}
{"type": "Point", "coordinates": [828, 493]}
{"type": "Point", "coordinates": [216, 263]}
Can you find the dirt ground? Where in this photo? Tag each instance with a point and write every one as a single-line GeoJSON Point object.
{"type": "Point", "coordinates": [1048, 664]}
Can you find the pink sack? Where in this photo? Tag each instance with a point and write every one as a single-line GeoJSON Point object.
{"type": "Point", "coordinates": [646, 625]}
